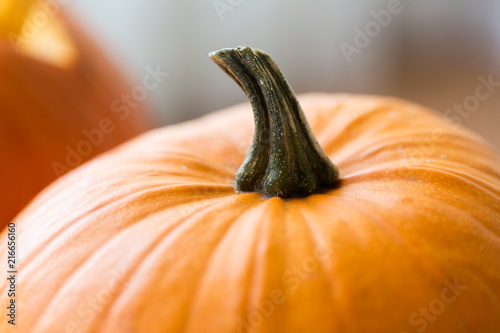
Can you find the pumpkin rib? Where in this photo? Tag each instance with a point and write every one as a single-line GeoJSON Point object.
{"type": "Point", "coordinates": [112, 200]}
{"type": "Point", "coordinates": [389, 230]}
{"type": "Point", "coordinates": [253, 280]}
{"type": "Point", "coordinates": [385, 146]}
{"type": "Point", "coordinates": [388, 173]}
{"type": "Point", "coordinates": [439, 202]}
{"type": "Point", "coordinates": [90, 254]}
{"type": "Point", "coordinates": [362, 122]}
{"type": "Point", "coordinates": [453, 210]}
{"type": "Point", "coordinates": [486, 228]}
{"type": "Point", "coordinates": [396, 175]}
{"type": "Point", "coordinates": [163, 237]}
{"type": "Point", "coordinates": [373, 152]}
{"type": "Point", "coordinates": [346, 322]}
{"type": "Point", "coordinates": [258, 236]}
{"type": "Point", "coordinates": [466, 177]}
{"type": "Point", "coordinates": [461, 140]}
{"type": "Point", "coordinates": [206, 169]}
{"type": "Point", "coordinates": [431, 255]}
{"type": "Point", "coordinates": [235, 202]}
{"type": "Point", "coordinates": [322, 291]}
{"type": "Point", "coordinates": [371, 216]}
{"type": "Point", "coordinates": [393, 234]}
{"type": "Point", "coordinates": [482, 229]}
{"type": "Point", "coordinates": [274, 218]}
{"type": "Point", "coordinates": [202, 188]}
{"type": "Point", "coordinates": [203, 295]}
{"type": "Point", "coordinates": [196, 167]}
{"type": "Point", "coordinates": [36, 253]}
{"type": "Point", "coordinates": [328, 272]}
{"type": "Point", "coordinates": [300, 311]}
{"type": "Point", "coordinates": [479, 282]}
{"type": "Point", "coordinates": [102, 249]}
{"type": "Point", "coordinates": [463, 184]}
{"type": "Point", "coordinates": [464, 171]}
{"type": "Point", "coordinates": [232, 222]}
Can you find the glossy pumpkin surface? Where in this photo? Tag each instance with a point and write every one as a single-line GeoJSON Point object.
{"type": "Point", "coordinates": [55, 86]}
{"type": "Point", "coordinates": [152, 237]}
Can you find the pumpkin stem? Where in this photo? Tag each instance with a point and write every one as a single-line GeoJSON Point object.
{"type": "Point", "coordinates": [285, 160]}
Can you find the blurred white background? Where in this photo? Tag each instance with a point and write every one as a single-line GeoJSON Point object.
{"type": "Point", "coordinates": [432, 52]}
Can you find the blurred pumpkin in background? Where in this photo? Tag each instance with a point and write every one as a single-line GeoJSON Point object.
{"type": "Point", "coordinates": [153, 237]}
{"type": "Point", "coordinates": [57, 90]}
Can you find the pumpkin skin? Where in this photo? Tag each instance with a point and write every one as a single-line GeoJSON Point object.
{"type": "Point", "coordinates": [152, 237]}
{"type": "Point", "coordinates": [47, 101]}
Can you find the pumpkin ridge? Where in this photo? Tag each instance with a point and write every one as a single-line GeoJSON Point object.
{"type": "Point", "coordinates": [258, 269]}
{"type": "Point", "coordinates": [88, 256]}
{"type": "Point", "coordinates": [389, 230]}
{"type": "Point", "coordinates": [95, 210]}
{"type": "Point", "coordinates": [84, 261]}
{"type": "Point", "coordinates": [385, 171]}
{"type": "Point", "coordinates": [442, 203]}
{"type": "Point", "coordinates": [258, 237]}
{"type": "Point", "coordinates": [152, 248]}
{"type": "Point", "coordinates": [487, 224]}
{"type": "Point", "coordinates": [196, 167]}
{"type": "Point", "coordinates": [328, 272]}
{"type": "Point", "coordinates": [418, 254]}
{"type": "Point", "coordinates": [102, 248]}
{"type": "Point", "coordinates": [407, 152]}
{"type": "Point", "coordinates": [481, 225]}
{"type": "Point", "coordinates": [39, 251]}
{"type": "Point", "coordinates": [412, 147]}
{"type": "Point", "coordinates": [466, 176]}
{"type": "Point", "coordinates": [390, 144]}
{"type": "Point", "coordinates": [210, 172]}
{"type": "Point", "coordinates": [265, 239]}
{"type": "Point", "coordinates": [164, 244]}
{"type": "Point", "coordinates": [386, 230]}
{"type": "Point", "coordinates": [205, 188]}
{"type": "Point", "coordinates": [478, 271]}
{"type": "Point", "coordinates": [340, 139]}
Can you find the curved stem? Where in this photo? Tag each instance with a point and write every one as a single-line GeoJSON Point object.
{"type": "Point", "coordinates": [285, 160]}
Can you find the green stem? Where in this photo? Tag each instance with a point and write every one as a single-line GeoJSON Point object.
{"type": "Point", "coordinates": [285, 159]}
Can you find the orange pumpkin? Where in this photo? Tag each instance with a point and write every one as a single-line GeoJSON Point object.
{"type": "Point", "coordinates": [56, 95]}
{"type": "Point", "coordinates": [153, 237]}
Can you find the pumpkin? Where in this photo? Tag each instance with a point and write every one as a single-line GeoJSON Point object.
{"type": "Point", "coordinates": [57, 89]}
{"type": "Point", "coordinates": [389, 221]}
